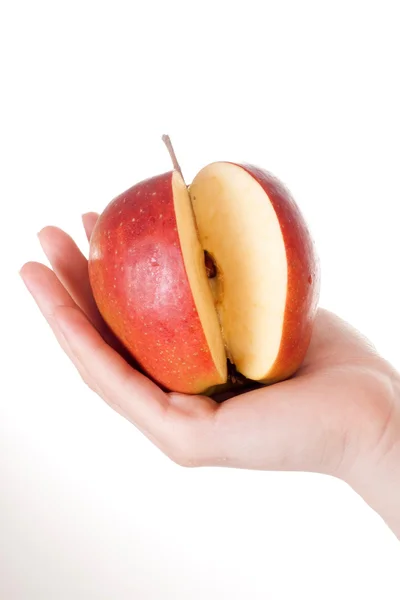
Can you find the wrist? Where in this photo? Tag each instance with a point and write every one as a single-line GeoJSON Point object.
{"type": "Point", "coordinates": [376, 475]}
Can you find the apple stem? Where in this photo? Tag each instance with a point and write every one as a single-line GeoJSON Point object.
{"type": "Point", "coordinates": [167, 141]}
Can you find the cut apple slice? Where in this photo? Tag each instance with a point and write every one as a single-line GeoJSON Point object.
{"type": "Point", "coordinates": [193, 258]}
{"type": "Point", "coordinates": [250, 226]}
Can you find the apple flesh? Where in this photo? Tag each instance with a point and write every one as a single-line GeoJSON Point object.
{"type": "Point", "coordinates": [267, 288]}
{"type": "Point", "coordinates": [187, 278]}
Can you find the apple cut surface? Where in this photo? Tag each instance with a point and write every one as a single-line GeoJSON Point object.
{"type": "Point", "coordinates": [146, 269]}
{"type": "Point", "coordinates": [193, 258]}
{"type": "Point", "coordinates": [267, 283]}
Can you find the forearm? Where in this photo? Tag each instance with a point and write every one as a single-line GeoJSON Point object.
{"type": "Point", "coordinates": [381, 490]}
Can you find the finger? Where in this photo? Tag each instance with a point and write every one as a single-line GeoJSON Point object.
{"type": "Point", "coordinates": [178, 424]}
{"type": "Point", "coordinates": [184, 433]}
{"type": "Point", "coordinates": [281, 427]}
{"type": "Point", "coordinates": [101, 366]}
{"type": "Point", "coordinates": [71, 268]}
{"type": "Point", "coordinates": [89, 221]}
{"type": "Point", "coordinates": [120, 385]}
{"type": "Point", "coordinates": [47, 293]}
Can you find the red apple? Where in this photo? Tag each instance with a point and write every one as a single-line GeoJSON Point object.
{"type": "Point", "coordinates": [256, 306]}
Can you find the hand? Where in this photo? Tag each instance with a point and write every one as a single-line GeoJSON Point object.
{"type": "Point", "coordinates": [339, 415]}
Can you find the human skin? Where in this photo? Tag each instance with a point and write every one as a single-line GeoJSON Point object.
{"type": "Point", "coordinates": [340, 414]}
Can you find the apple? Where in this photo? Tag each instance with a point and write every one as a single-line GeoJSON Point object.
{"type": "Point", "coordinates": [191, 279]}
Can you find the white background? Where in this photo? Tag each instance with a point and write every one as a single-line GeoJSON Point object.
{"type": "Point", "coordinates": [309, 90]}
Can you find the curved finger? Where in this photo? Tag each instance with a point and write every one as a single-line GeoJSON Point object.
{"type": "Point", "coordinates": [283, 427]}
{"type": "Point", "coordinates": [181, 426]}
{"type": "Point", "coordinates": [100, 365]}
{"type": "Point", "coordinates": [47, 292]}
{"type": "Point", "coordinates": [71, 268]}
{"type": "Point", "coordinates": [89, 220]}
{"type": "Point", "coordinates": [184, 435]}
{"type": "Point", "coordinates": [121, 386]}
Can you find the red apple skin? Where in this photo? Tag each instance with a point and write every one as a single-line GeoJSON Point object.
{"type": "Point", "coordinates": [303, 276]}
{"type": "Point", "coordinates": [141, 288]}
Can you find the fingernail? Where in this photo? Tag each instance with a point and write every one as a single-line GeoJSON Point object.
{"type": "Point", "coordinates": [21, 273]}
{"type": "Point", "coordinates": [39, 233]}
{"type": "Point", "coordinates": [40, 237]}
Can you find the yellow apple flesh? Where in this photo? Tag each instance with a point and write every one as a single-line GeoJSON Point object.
{"type": "Point", "coordinates": [267, 284]}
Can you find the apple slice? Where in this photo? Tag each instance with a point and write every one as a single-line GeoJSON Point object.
{"type": "Point", "coordinates": [147, 274]}
{"type": "Point", "coordinates": [267, 274]}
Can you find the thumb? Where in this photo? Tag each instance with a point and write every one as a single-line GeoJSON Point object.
{"type": "Point", "coordinates": [289, 426]}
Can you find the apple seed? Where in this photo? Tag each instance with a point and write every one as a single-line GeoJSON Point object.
{"type": "Point", "coordinates": [210, 265]}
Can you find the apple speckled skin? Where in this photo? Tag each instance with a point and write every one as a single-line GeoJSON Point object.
{"type": "Point", "coordinates": [303, 285]}
{"type": "Point", "coordinates": [141, 288]}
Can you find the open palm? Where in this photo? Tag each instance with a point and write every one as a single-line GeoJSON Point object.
{"type": "Point", "coordinates": [335, 410]}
